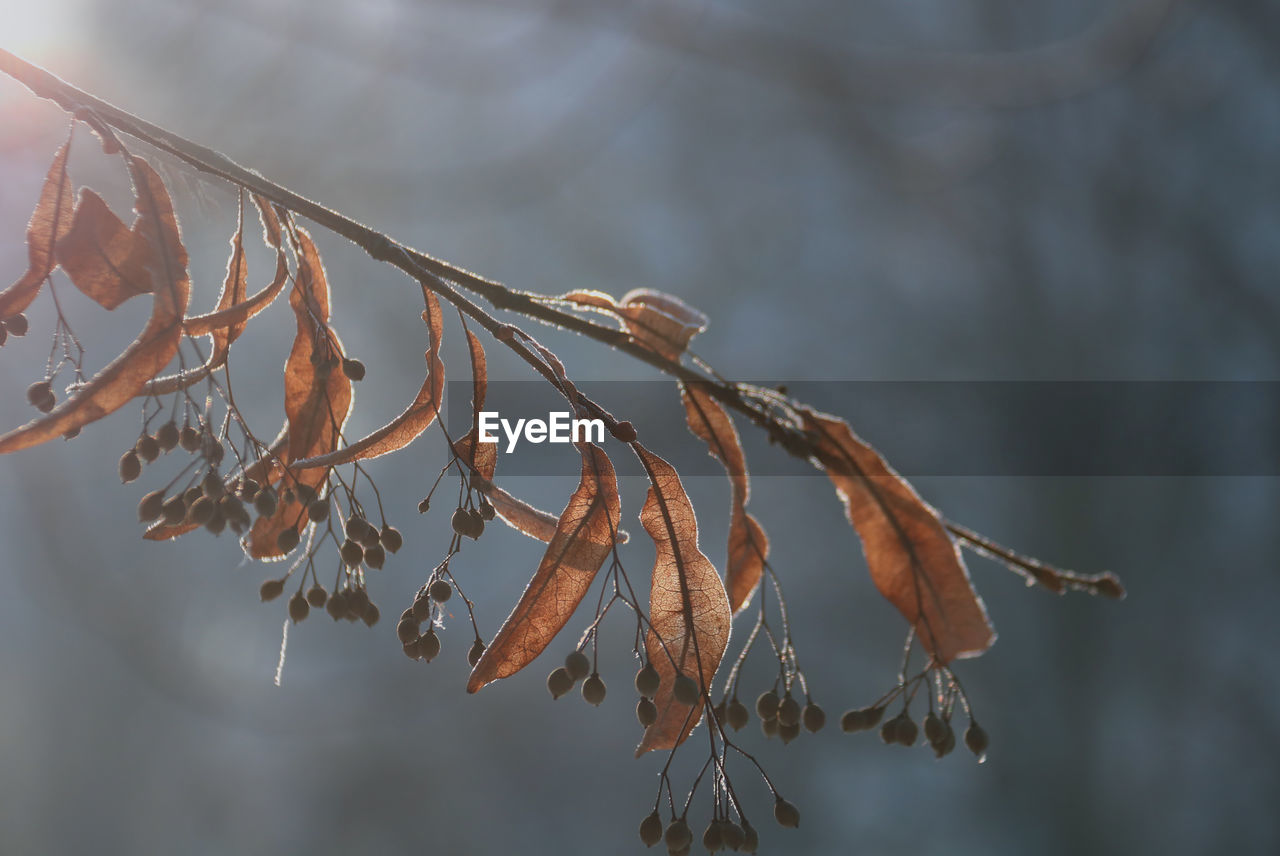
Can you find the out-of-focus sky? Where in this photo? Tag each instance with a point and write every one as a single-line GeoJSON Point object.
{"type": "Point", "coordinates": [864, 191]}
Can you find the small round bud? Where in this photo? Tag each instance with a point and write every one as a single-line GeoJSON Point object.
{"type": "Point", "coordinates": [189, 439]}
{"type": "Point", "coordinates": [750, 838]}
{"type": "Point", "coordinates": [353, 369]}
{"type": "Point", "coordinates": [16, 325]}
{"type": "Point", "coordinates": [786, 814]}
{"type": "Point", "coordinates": [678, 835]}
{"type": "Point", "coordinates": [190, 495]}
{"type": "Point", "coordinates": [212, 485]}
{"type": "Point", "coordinates": [769, 727]}
{"type": "Point", "coordinates": [559, 682]}
{"type": "Point", "coordinates": [647, 681]}
{"type": "Point", "coordinates": [298, 607]}
{"type": "Point", "coordinates": [374, 557]}
{"type": "Point", "coordinates": [686, 690]}
{"type": "Point", "coordinates": [392, 540]}
{"type": "Point", "coordinates": [789, 711]}
{"type": "Point", "coordinates": [712, 838]}
{"type": "Point", "coordinates": [946, 744]}
{"type": "Point", "coordinates": [249, 489]}
{"type": "Point", "coordinates": [130, 467]}
{"type": "Point", "coordinates": [429, 644]}
{"type": "Point", "coordinates": [147, 447]}
{"type": "Point", "coordinates": [736, 714]}
{"type": "Point", "coordinates": [624, 432]}
{"type": "Point", "coordinates": [265, 501]}
{"type": "Point", "coordinates": [476, 652]}
{"type": "Point", "coordinates": [287, 540]}
{"type": "Point", "coordinates": [907, 731]}
{"type": "Point", "coordinates": [476, 526]}
{"type": "Point", "coordinates": [317, 596]}
{"type": "Point", "coordinates": [305, 494]}
{"type": "Point", "coordinates": [167, 436]}
{"type": "Point", "coordinates": [47, 404]}
{"type": "Point", "coordinates": [593, 690]}
{"type": "Point", "coordinates": [201, 511]}
{"type": "Point", "coordinates": [370, 614]}
{"type": "Point", "coordinates": [860, 719]}
{"type": "Point", "coordinates": [173, 510]}
{"type": "Point", "coordinates": [407, 630]}
{"type": "Point", "coordinates": [646, 712]}
{"type": "Point", "coordinates": [461, 522]}
{"type": "Point", "coordinates": [975, 737]}
{"type": "Point", "coordinates": [731, 834]}
{"type": "Point", "coordinates": [410, 648]}
{"type": "Point", "coordinates": [217, 522]}
{"type": "Point", "coordinates": [767, 705]}
{"type": "Point", "coordinates": [813, 717]}
{"type": "Point", "coordinates": [270, 590]}
{"type": "Point", "coordinates": [505, 333]}
{"type": "Point", "coordinates": [651, 830]}
{"type": "Point", "coordinates": [318, 510]}
{"type": "Point", "coordinates": [788, 732]}
{"type": "Point", "coordinates": [355, 527]}
{"type": "Point", "coordinates": [440, 591]}
{"type": "Point", "coordinates": [424, 505]}
{"type": "Point", "coordinates": [934, 730]}
{"type": "Point", "coordinates": [39, 391]}
{"type": "Point", "coordinates": [422, 607]}
{"type": "Point", "coordinates": [151, 506]}
{"type": "Point", "coordinates": [578, 665]}
{"type": "Point", "coordinates": [486, 509]}
{"type": "Point", "coordinates": [352, 553]}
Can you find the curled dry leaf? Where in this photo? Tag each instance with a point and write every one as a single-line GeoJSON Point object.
{"type": "Point", "coordinates": [49, 223]}
{"type": "Point", "coordinates": [661, 322]}
{"type": "Point", "coordinates": [316, 403]}
{"type": "Point", "coordinates": [583, 539]}
{"type": "Point", "coordinates": [415, 419]}
{"type": "Point", "coordinates": [689, 617]}
{"type": "Point", "coordinates": [913, 561]}
{"type": "Point", "coordinates": [122, 378]}
{"type": "Point", "coordinates": [103, 257]}
{"type": "Point", "coordinates": [748, 545]}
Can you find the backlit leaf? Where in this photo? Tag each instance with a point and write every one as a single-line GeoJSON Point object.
{"type": "Point", "coordinates": [49, 222]}
{"type": "Point", "coordinates": [660, 322]}
{"type": "Point", "coordinates": [104, 258]}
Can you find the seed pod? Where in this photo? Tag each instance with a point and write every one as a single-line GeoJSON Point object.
{"type": "Point", "coordinates": [860, 719]}
{"type": "Point", "coordinates": [646, 712]}
{"type": "Point", "coordinates": [167, 436]}
{"type": "Point", "coordinates": [151, 506]}
{"type": "Point", "coordinates": [270, 590]}
{"type": "Point", "coordinates": [711, 837]}
{"type": "Point", "coordinates": [461, 522]}
{"type": "Point", "coordinates": [429, 644]}
{"type": "Point", "coordinates": [305, 494]}
{"type": "Point", "coordinates": [593, 690]}
{"type": "Point", "coordinates": [786, 814]}
{"type": "Point", "coordinates": [422, 607]}
{"type": "Point", "coordinates": [948, 742]}
{"type": "Point", "coordinates": [789, 711]}
{"type": "Point", "coordinates": [337, 608]}
{"type": "Point", "coordinates": [352, 554]}
{"type": "Point", "coordinates": [907, 730]}
{"type": "Point", "coordinates": [487, 511]}
{"type": "Point", "coordinates": [624, 432]}
{"type": "Point", "coordinates": [353, 369]}
{"type": "Point", "coordinates": [767, 705]}
{"type": "Point", "coordinates": [190, 495]}
{"type": "Point", "coordinates": [217, 522]}
{"type": "Point", "coordinates": [559, 682]}
{"type": "Point", "coordinates": [647, 681]}
{"type": "Point", "coordinates": [47, 404]}
{"type": "Point", "coordinates": [317, 596]}
{"type": "Point", "coordinates": [374, 557]}
{"type": "Point", "coordinates": [130, 467]}
{"type": "Point", "coordinates": [731, 834]}
{"type": "Point", "coordinates": [407, 630]}
{"type": "Point", "coordinates": [686, 690]}
{"type": "Point", "coordinates": [788, 732]}
{"type": "Point", "coordinates": [370, 537]}
{"type": "Point", "coordinates": [370, 614]}
{"type": "Point", "coordinates": [813, 717]}
{"type": "Point", "coordinates": [678, 834]}
{"type": "Point", "coordinates": [147, 447]}
{"type": "Point", "coordinates": [476, 652]}
{"type": "Point", "coordinates": [189, 439]}
{"type": "Point", "coordinates": [424, 505]}
{"type": "Point", "coordinates": [39, 391]}
{"type": "Point", "coordinates": [355, 527]}
{"type": "Point", "coordinates": [287, 540]}
{"type": "Point", "coordinates": [976, 739]}
{"type": "Point", "coordinates": [173, 510]}
{"type": "Point", "coordinates": [476, 527]}
{"type": "Point", "coordinates": [213, 450]}
{"type": "Point", "coordinates": [440, 591]}
{"type": "Point", "coordinates": [889, 731]}
{"type": "Point", "coordinates": [212, 486]}
{"type": "Point", "coordinates": [249, 489]}
{"type": "Point", "coordinates": [577, 664]}
{"type": "Point", "coordinates": [16, 325]}
{"type": "Point", "coordinates": [769, 727]}
{"type": "Point", "coordinates": [71, 433]}
{"type": "Point", "coordinates": [411, 649]}
{"type": "Point", "coordinates": [718, 711]}
{"type": "Point", "coordinates": [201, 511]}
{"type": "Point", "coordinates": [392, 540]}
{"type": "Point", "coordinates": [651, 830]}
{"type": "Point", "coordinates": [298, 608]}
{"type": "Point", "coordinates": [265, 501]}
{"type": "Point", "coordinates": [933, 728]}
{"type": "Point", "coordinates": [736, 714]}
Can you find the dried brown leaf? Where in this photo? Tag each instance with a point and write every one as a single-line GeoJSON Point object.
{"type": "Point", "coordinates": [748, 545]}
{"type": "Point", "coordinates": [104, 258]}
{"type": "Point", "coordinates": [583, 539]}
{"type": "Point", "coordinates": [49, 223]}
{"type": "Point", "coordinates": [689, 616]}
{"type": "Point", "coordinates": [128, 373]}
{"type": "Point", "coordinates": [660, 322]}
{"type": "Point", "coordinates": [316, 403]}
{"type": "Point", "coordinates": [415, 419]}
{"type": "Point", "coordinates": [913, 561]}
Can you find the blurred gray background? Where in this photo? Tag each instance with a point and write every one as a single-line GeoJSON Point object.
{"type": "Point", "coordinates": [984, 190]}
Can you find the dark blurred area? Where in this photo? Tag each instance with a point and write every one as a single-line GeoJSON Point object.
{"type": "Point", "coordinates": [886, 191]}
